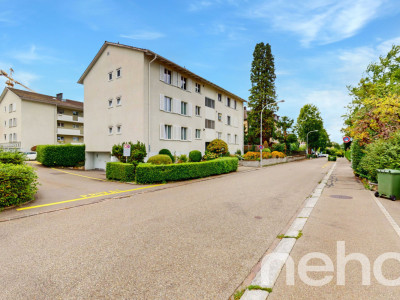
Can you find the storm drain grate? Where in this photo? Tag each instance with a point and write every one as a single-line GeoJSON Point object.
{"type": "Point", "coordinates": [341, 197]}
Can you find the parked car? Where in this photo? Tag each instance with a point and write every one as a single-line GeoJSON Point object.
{"type": "Point", "coordinates": [322, 155]}
{"type": "Point", "coordinates": [31, 155]}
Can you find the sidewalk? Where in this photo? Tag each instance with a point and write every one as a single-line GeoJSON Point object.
{"type": "Point", "coordinates": [345, 212]}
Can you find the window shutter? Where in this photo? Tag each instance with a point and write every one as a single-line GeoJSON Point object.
{"type": "Point", "coordinates": [174, 78]}
{"type": "Point", "coordinates": [190, 108]}
{"type": "Point", "coordinates": [161, 102]}
{"type": "Point", "coordinates": [161, 73]}
{"type": "Point", "coordinates": [162, 131]}
{"type": "Point", "coordinates": [179, 81]}
{"type": "Point", "coordinates": [176, 134]}
{"type": "Point", "coordinates": [176, 106]}
{"type": "Point", "coordinates": [189, 84]}
{"type": "Point", "coordinates": [15, 107]}
{"type": "Point", "coordinates": [189, 134]}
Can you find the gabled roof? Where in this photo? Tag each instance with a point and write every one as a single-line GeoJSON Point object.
{"type": "Point", "coordinates": [35, 97]}
{"type": "Point", "coordinates": [160, 59]}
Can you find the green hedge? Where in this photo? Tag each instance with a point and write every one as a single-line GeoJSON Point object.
{"type": "Point", "coordinates": [148, 173]}
{"type": "Point", "coordinates": [18, 184]}
{"type": "Point", "coordinates": [347, 154]}
{"type": "Point", "coordinates": [357, 154]}
{"type": "Point", "coordinates": [331, 158]}
{"type": "Point", "coordinates": [61, 155]}
{"type": "Point", "coordinates": [120, 171]}
{"type": "Point", "coordinates": [15, 158]}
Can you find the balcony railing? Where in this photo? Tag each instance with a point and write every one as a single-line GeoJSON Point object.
{"type": "Point", "coordinates": [67, 118]}
{"type": "Point", "coordinates": [65, 131]}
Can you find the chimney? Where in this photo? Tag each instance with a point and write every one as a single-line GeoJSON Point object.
{"type": "Point", "coordinates": [59, 96]}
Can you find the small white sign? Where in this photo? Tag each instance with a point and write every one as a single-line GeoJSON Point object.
{"type": "Point", "coordinates": [127, 150]}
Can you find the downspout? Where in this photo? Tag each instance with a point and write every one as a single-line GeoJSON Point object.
{"type": "Point", "coordinates": [148, 107]}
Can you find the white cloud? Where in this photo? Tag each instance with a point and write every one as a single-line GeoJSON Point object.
{"type": "Point", "coordinates": [32, 55]}
{"type": "Point", "coordinates": [318, 21]}
{"type": "Point", "coordinates": [143, 35]}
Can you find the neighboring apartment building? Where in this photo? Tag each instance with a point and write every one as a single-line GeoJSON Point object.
{"type": "Point", "coordinates": [28, 119]}
{"type": "Point", "coordinates": [133, 94]}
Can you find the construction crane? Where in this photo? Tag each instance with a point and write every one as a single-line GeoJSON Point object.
{"type": "Point", "coordinates": [11, 81]}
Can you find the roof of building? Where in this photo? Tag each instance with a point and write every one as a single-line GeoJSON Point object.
{"type": "Point", "coordinates": [36, 97]}
{"type": "Point", "coordinates": [161, 59]}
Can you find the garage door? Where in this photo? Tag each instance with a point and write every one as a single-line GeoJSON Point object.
{"type": "Point", "coordinates": [100, 160]}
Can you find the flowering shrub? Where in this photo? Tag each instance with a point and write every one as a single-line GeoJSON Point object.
{"type": "Point", "coordinates": [218, 146]}
{"type": "Point", "coordinates": [265, 155]}
{"type": "Point", "coordinates": [210, 156]}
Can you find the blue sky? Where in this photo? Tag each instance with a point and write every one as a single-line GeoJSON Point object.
{"type": "Point", "coordinates": [320, 46]}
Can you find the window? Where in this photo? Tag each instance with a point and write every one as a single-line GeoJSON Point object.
{"type": "Point", "coordinates": [168, 132]}
{"type": "Point", "coordinates": [228, 102]}
{"type": "Point", "coordinates": [75, 125]}
{"type": "Point", "coordinates": [75, 113]}
{"type": "Point", "coordinates": [119, 73]}
{"type": "Point", "coordinates": [60, 111]}
{"type": "Point", "coordinates": [228, 138]}
{"type": "Point", "coordinates": [75, 139]}
{"type": "Point", "coordinates": [110, 130]}
{"type": "Point", "coordinates": [110, 76]}
{"type": "Point", "coordinates": [234, 104]}
{"type": "Point", "coordinates": [60, 138]}
{"type": "Point", "coordinates": [219, 117]}
{"type": "Point", "coordinates": [10, 123]}
{"type": "Point", "coordinates": [184, 108]}
{"type": "Point", "coordinates": [110, 103]}
{"type": "Point", "coordinates": [228, 120]}
{"type": "Point", "coordinates": [210, 102]}
{"type": "Point", "coordinates": [198, 110]}
{"type": "Point", "coordinates": [59, 124]}
{"type": "Point", "coordinates": [14, 137]}
{"type": "Point", "coordinates": [10, 138]}
{"type": "Point", "coordinates": [118, 100]}
{"type": "Point", "coordinates": [210, 124]}
{"type": "Point", "coordinates": [236, 139]}
{"type": "Point", "coordinates": [197, 88]}
{"type": "Point", "coordinates": [167, 76]}
{"type": "Point", "coordinates": [183, 83]}
{"type": "Point", "coordinates": [5, 137]}
{"type": "Point", "coordinates": [119, 129]}
{"type": "Point", "coordinates": [219, 135]}
{"type": "Point", "coordinates": [15, 122]}
{"type": "Point", "coordinates": [183, 133]}
{"type": "Point", "coordinates": [219, 97]}
{"type": "Point", "coordinates": [198, 132]}
{"type": "Point", "coordinates": [167, 104]}
{"type": "Point", "coordinates": [10, 108]}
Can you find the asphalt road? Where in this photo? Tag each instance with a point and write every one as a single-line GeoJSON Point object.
{"type": "Point", "coordinates": [197, 240]}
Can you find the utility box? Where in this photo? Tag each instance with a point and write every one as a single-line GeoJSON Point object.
{"type": "Point", "coordinates": [388, 183]}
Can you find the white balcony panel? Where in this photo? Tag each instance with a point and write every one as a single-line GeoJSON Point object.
{"type": "Point", "coordinates": [64, 131]}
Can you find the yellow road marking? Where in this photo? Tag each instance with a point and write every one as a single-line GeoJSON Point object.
{"type": "Point", "coordinates": [325, 165]}
{"type": "Point", "coordinates": [79, 175]}
{"type": "Point", "coordinates": [90, 196]}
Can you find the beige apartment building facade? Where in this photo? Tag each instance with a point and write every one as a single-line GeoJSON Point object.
{"type": "Point", "coordinates": [29, 119]}
{"type": "Point", "coordinates": [134, 94]}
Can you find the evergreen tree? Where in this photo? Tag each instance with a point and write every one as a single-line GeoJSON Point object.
{"type": "Point", "coordinates": [262, 93]}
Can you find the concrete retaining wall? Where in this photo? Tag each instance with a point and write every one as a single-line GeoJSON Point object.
{"type": "Point", "coordinates": [270, 161]}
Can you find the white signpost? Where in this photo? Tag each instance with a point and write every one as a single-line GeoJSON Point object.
{"type": "Point", "coordinates": [127, 151]}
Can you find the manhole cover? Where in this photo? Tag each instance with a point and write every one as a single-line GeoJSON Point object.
{"type": "Point", "coordinates": [341, 197]}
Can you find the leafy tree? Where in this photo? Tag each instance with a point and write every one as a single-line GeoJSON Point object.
{"type": "Point", "coordinates": [284, 124]}
{"type": "Point", "coordinates": [308, 120]}
{"type": "Point", "coordinates": [262, 93]}
{"type": "Point", "coordinates": [138, 152]}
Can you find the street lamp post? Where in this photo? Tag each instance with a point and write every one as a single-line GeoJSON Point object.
{"type": "Point", "coordinates": [307, 141]}
{"type": "Point", "coordinates": [261, 129]}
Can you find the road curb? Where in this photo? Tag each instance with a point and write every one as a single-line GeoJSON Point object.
{"type": "Point", "coordinates": [273, 263]}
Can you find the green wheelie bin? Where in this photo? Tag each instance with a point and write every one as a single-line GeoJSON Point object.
{"type": "Point", "coordinates": [388, 183]}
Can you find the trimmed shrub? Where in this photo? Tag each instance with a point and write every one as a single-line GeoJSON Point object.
{"type": "Point", "coordinates": [278, 147]}
{"type": "Point", "coordinates": [15, 158]}
{"type": "Point", "coordinates": [148, 173]}
{"type": "Point", "coordinates": [331, 158]}
{"type": "Point", "coordinates": [347, 154]}
{"type": "Point", "coordinates": [61, 155]}
{"type": "Point", "coordinates": [138, 152]}
{"type": "Point", "coordinates": [182, 158]}
{"type": "Point", "coordinates": [218, 146]}
{"type": "Point", "coordinates": [356, 155]}
{"type": "Point", "coordinates": [160, 159]}
{"type": "Point", "coordinates": [266, 150]}
{"type": "Point", "coordinates": [210, 156]}
{"type": "Point", "coordinates": [195, 156]}
{"type": "Point", "coordinates": [18, 184]}
{"type": "Point", "coordinates": [265, 155]}
{"type": "Point", "coordinates": [167, 152]}
{"type": "Point", "coordinates": [120, 171]}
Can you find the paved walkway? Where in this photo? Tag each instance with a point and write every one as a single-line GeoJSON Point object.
{"type": "Point", "coordinates": [348, 216]}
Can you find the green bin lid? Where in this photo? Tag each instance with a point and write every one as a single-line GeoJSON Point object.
{"type": "Point", "coordinates": [388, 171]}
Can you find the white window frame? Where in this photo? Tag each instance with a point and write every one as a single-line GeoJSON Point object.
{"type": "Point", "coordinates": [110, 76]}
{"type": "Point", "coordinates": [198, 134]}
{"type": "Point", "coordinates": [184, 133]}
{"type": "Point", "coordinates": [119, 100]}
{"type": "Point", "coordinates": [236, 139]}
{"type": "Point", "coordinates": [184, 108]}
{"type": "Point", "coordinates": [118, 70]}
{"type": "Point", "coordinates": [10, 137]}
{"type": "Point", "coordinates": [14, 137]}
{"type": "Point", "coordinates": [228, 138]}
{"type": "Point", "coordinates": [60, 139]}
{"type": "Point", "coordinates": [219, 135]}
{"type": "Point", "coordinates": [110, 130]}
{"type": "Point", "coordinates": [234, 104]}
{"type": "Point", "coordinates": [75, 125]}
{"type": "Point", "coordinates": [167, 132]}
{"type": "Point", "coordinates": [228, 101]}
{"type": "Point", "coordinates": [14, 122]}
{"type": "Point", "coordinates": [219, 97]}
{"type": "Point", "coordinates": [197, 88]}
{"type": "Point", "coordinates": [166, 101]}
{"type": "Point", "coordinates": [198, 111]}
{"type": "Point", "coordinates": [75, 139]}
{"type": "Point", "coordinates": [220, 117]}
{"type": "Point", "coordinates": [110, 103]}
{"type": "Point", "coordinates": [228, 120]}
{"type": "Point", "coordinates": [60, 124]}
{"type": "Point", "coordinates": [119, 129]}
{"type": "Point", "coordinates": [184, 83]}
{"type": "Point", "coordinates": [5, 137]}
{"type": "Point", "coordinates": [10, 108]}
{"type": "Point", "coordinates": [167, 76]}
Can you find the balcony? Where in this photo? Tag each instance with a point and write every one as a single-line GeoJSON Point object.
{"type": "Point", "coordinates": [64, 131]}
{"type": "Point", "coordinates": [67, 118]}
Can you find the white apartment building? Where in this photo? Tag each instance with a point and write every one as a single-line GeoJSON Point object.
{"type": "Point", "coordinates": [134, 94]}
{"type": "Point", "coordinates": [29, 119]}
